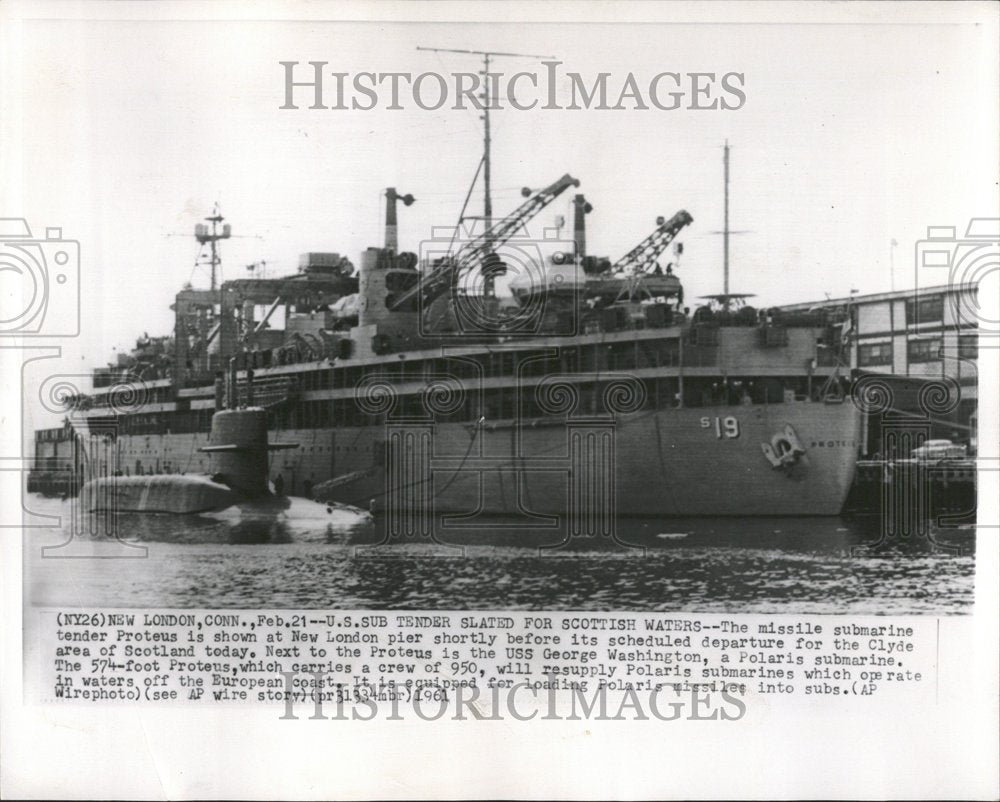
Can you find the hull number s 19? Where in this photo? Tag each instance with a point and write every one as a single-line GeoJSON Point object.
{"type": "Point", "coordinates": [724, 427]}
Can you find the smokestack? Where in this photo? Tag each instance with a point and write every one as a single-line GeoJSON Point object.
{"type": "Point", "coordinates": [391, 229]}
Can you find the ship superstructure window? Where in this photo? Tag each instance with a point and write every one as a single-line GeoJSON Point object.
{"type": "Point", "coordinates": [874, 354]}
{"type": "Point", "coordinates": [924, 350]}
{"type": "Point", "coordinates": [968, 346]}
{"type": "Point", "coordinates": [621, 356]}
{"type": "Point", "coordinates": [925, 310]}
{"type": "Point", "coordinates": [504, 364]}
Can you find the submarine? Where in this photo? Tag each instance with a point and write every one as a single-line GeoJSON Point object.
{"type": "Point", "coordinates": [236, 489]}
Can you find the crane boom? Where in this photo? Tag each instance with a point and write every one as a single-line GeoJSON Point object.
{"type": "Point", "coordinates": [642, 258]}
{"type": "Point", "coordinates": [472, 253]}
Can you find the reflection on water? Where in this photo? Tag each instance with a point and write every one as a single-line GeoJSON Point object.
{"type": "Point", "coordinates": [249, 560]}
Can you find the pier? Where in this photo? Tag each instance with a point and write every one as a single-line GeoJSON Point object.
{"type": "Point", "coordinates": [930, 488]}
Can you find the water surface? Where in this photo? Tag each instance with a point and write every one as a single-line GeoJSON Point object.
{"type": "Point", "coordinates": [792, 565]}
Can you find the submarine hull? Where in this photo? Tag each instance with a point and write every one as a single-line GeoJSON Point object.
{"type": "Point", "coordinates": [171, 493]}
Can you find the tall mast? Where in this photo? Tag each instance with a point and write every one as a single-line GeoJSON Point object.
{"type": "Point", "coordinates": [203, 235]}
{"type": "Point", "coordinates": [487, 200]}
{"type": "Point", "coordinates": [725, 225]}
{"type": "Point", "coordinates": [215, 219]}
{"type": "Point", "coordinates": [487, 139]}
{"type": "Point", "coordinates": [726, 232]}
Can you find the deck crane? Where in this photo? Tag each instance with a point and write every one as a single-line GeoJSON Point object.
{"type": "Point", "coordinates": [642, 258]}
{"type": "Point", "coordinates": [478, 251]}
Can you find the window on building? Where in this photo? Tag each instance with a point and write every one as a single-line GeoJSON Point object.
{"type": "Point", "coordinates": [924, 350]}
{"type": "Point", "coordinates": [925, 310]}
{"type": "Point", "coordinates": [968, 346]}
{"type": "Point", "coordinates": [874, 354]}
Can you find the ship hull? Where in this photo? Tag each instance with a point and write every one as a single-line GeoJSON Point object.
{"type": "Point", "coordinates": [705, 461]}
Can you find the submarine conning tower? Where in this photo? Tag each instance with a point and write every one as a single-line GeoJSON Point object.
{"type": "Point", "coordinates": [238, 448]}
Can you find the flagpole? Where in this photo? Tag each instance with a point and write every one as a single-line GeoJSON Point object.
{"type": "Point", "coordinates": [892, 264]}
